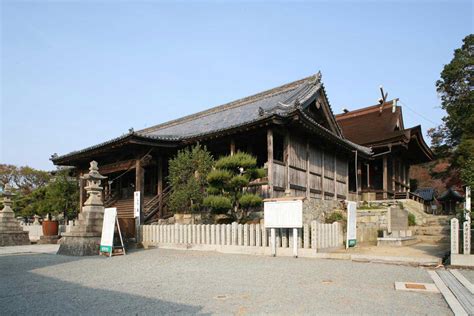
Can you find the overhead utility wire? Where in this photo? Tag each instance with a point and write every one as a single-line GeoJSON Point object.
{"type": "Point", "coordinates": [422, 116]}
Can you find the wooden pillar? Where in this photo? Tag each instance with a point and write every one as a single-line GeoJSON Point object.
{"type": "Point", "coordinates": [323, 172]}
{"type": "Point", "coordinates": [232, 147]}
{"type": "Point", "coordinates": [385, 177]}
{"type": "Point", "coordinates": [394, 186]}
{"type": "Point", "coordinates": [400, 174]}
{"type": "Point", "coordinates": [408, 177]}
{"type": "Point", "coordinates": [308, 175]}
{"type": "Point", "coordinates": [368, 176]}
{"type": "Point", "coordinates": [140, 186]}
{"type": "Point", "coordinates": [160, 185]}
{"type": "Point", "coordinates": [270, 161]}
{"type": "Point", "coordinates": [287, 162]}
{"type": "Point", "coordinates": [359, 177]}
{"type": "Point", "coordinates": [335, 176]}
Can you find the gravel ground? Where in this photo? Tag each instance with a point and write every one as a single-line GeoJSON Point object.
{"type": "Point", "coordinates": [160, 281]}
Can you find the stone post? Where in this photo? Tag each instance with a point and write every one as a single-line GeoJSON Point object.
{"type": "Point", "coordinates": [454, 236]}
{"type": "Point", "coordinates": [84, 237]}
{"type": "Point", "coordinates": [467, 238]}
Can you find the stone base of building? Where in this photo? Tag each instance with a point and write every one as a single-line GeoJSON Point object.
{"type": "Point", "coordinates": [396, 241]}
{"type": "Point", "coordinates": [49, 239]}
{"type": "Point", "coordinates": [15, 238]}
{"type": "Point", "coordinates": [79, 246]}
{"type": "Point", "coordinates": [462, 260]}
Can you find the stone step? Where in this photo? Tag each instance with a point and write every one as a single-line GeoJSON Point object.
{"type": "Point", "coordinates": [432, 230]}
{"type": "Point", "coordinates": [439, 239]}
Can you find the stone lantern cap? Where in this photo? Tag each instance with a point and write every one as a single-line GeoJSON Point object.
{"type": "Point", "coordinates": [7, 193]}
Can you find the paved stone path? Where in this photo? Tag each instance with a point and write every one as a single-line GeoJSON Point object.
{"type": "Point", "coordinates": [189, 282]}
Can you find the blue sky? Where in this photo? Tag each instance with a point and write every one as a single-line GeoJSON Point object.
{"type": "Point", "coordinates": [77, 73]}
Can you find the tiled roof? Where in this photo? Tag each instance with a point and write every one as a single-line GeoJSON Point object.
{"type": "Point", "coordinates": [451, 194]}
{"type": "Point", "coordinates": [281, 101]}
{"type": "Point", "coordinates": [427, 194]}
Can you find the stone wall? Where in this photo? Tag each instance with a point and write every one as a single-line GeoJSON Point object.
{"type": "Point", "coordinates": [369, 222]}
{"type": "Point", "coordinates": [319, 210]}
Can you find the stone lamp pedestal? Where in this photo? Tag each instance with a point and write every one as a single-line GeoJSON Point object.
{"type": "Point", "coordinates": [84, 237]}
{"type": "Point", "coordinates": [11, 233]}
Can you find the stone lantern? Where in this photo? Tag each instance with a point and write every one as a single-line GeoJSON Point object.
{"type": "Point", "coordinates": [11, 233]}
{"type": "Point", "coordinates": [84, 237]}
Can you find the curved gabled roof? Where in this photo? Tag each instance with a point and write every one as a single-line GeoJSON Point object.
{"type": "Point", "coordinates": [282, 101]}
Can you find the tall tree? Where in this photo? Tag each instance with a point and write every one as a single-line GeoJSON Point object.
{"type": "Point", "coordinates": [187, 176]}
{"type": "Point", "coordinates": [456, 89]}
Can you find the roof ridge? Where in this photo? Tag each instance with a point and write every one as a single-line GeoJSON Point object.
{"type": "Point", "coordinates": [368, 109]}
{"type": "Point", "coordinates": [230, 105]}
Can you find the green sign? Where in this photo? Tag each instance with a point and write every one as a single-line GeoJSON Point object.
{"type": "Point", "coordinates": [106, 248]}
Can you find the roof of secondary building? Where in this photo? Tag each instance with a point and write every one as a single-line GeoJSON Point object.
{"type": "Point", "coordinates": [382, 125]}
{"type": "Point", "coordinates": [451, 194]}
{"type": "Point", "coordinates": [428, 194]}
{"type": "Point", "coordinates": [281, 101]}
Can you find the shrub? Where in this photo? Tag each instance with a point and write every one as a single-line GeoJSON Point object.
{"type": "Point", "coordinates": [238, 182]}
{"type": "Point", "coordinates": [218, 178]}
{"type": "Point", "coordinates": [217, 203]}
{"type": "Point", "coordinates": [411, 219]}
{"type": "Point", "coordinates": [250, 200]}
{"type": "Point", "coordinates": [236, 161]}
{"type": "Point", "coordinates": [257, 173]}
{"type": "Point", "coordinates": [334, 217]}
{"type": "Point", "coordinates": [188, 172]}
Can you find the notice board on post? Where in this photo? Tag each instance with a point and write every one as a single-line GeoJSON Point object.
{"type": "Point", "coordinates": [351, 224]}
{"type": "Point", "coordinates": [283, 213]}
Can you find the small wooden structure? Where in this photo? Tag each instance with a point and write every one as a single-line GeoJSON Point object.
{"type": "Point", "coordinates": [449, 200]}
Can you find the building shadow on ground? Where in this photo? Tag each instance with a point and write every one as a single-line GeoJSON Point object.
{"type": "Point", "coordinates": [23, 292]}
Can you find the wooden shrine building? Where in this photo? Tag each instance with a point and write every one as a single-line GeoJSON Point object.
{"type": "Point", "coordinates": [394, 149]}
{"type": "Point", "coordinates": [290, 129]}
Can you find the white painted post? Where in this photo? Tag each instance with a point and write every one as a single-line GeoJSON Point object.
{"type": "Point", "coordinates": [185, 234]}
{"type": "Point", "coordinates": [295, 242]}
{"type": "Point", "coordinates": [273, 241]}
{"type": "Point", "coordinates": [190, 234]}
{"type": "Point", "coordinates": [284, 238]}
{"type": "Point", "coordinates": [252, 235]}
{"type": "Point", "coordinates": [306, 244]}
{"type": "Point", "coordinates": [246, 234]}
{"type": "Point", "coordinates": [240, 236]}
{"type": "Point", "coordinates": [193, 234]}
{"type": "Point", "coordinates": [223, 239]}
{"type": "Point", "coordinates": [234, 234]}
{"type": "Point", "coordinates": [313, 235]}
{"type": "Point", "coordinates": [278, 237]}
{"type": "Point", "coordinates": [454, 236]}
{"type": "Point", "coordinates": [199, 234]}
{"type": "Point", "coordinates": [213, 234]}
{"type": "Point", "coordinates": [258, 236]}
{"type": "Point", "coordinates": [264, 237]}
{"type": "Point", "coordinates": [228, 236]}
{"type": "Point", "coordinates": [218, 234]}
{"type": "Point", "coordinates": [208, 234]}
{"type": "Point", "coordinates": [467, 237]}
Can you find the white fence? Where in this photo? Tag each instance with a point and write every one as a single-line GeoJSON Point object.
{"type": "Point", "coordinates": [314, 236]}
